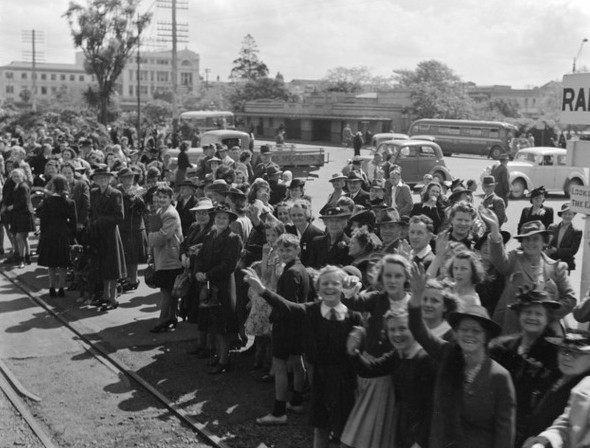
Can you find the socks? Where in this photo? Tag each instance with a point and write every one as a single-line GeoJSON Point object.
{"type": "Point", "coordinates": [280, 408]}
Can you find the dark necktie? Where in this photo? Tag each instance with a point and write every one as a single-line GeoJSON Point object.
{"type": "Point", "coordinates": [333, 315]}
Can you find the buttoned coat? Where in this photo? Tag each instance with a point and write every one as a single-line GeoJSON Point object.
{"type": "Point", "coordinates": [165, 242]}
{"type": "Point", "coordinates": [496, 204]}
{"type": "Point", "coordinates": [305, 241]}
{"type": "Point", "coordinates": [402, 201]}
{"type": "Point", "coordinates": [568, 246]}
{"type": "Point", "coordinates": [186, 216]}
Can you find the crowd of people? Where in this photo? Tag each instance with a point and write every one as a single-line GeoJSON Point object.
{"type": "Point", "coordinates": [411, 323]}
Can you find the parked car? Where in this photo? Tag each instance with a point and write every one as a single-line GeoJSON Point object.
{"type": "Point", "coordinates": [543, 166]}
{"type": "Point", "coordinates": [416, 158]}
{"type": "Point", "coordinates": [385, 136]}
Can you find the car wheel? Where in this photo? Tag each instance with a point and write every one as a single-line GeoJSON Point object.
{"type": "Point", "coordinates": [440, 176]}
{"type": "Point", "coordinates": [518, 188]}
{"type": "Point", "coordinates": [572, 183]}
{"type": "Point", "coordinates": [496, 152]}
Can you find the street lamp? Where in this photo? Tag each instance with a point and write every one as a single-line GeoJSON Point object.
{"type": "Point", "coordinates": [578, 55]}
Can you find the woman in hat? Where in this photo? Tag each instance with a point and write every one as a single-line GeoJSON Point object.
{"type": "Point", "coordinates": [338, 182]}
{"type": "Point", "coordinates": [565, 238]}
{"type": "Point", "coordinates": [215, 268]}
{"type": "Point", "coordinates": [364, 247]}
{"type": "Point", "coordinates": [431, 205]}
{"type": "Point", "coordinates": [474, 403]}
{"type": "Point", "coordinates": [132, 228]}
{"type": "Point", "coordinates": [185, 201]}
{"type": "Point", "coordinates": [530, 359]}
{"type": "Point", "coordinates": [106, 214]}
{"type": "Point", "coordinates": [538, 211]}
{"type": "Point", "coordinates": [527, 266]}
{"type": "Point", "coordinates": [57, 215]}
{"type": "Point", "coordinates": [302, 219]}
{"type": "Point", "coordinates": [561, 417]}
{"type": "Point", "coordinates": [21, 215]}
{"type": "Point", "coordinates": [164, 241]}
{"type": "Point", "coordinates": [183, 163]}
{"type": "Point", "coordinates": [331, 248]}
{"type": "Point", "coordinates": [189, 250]}
{"type": "Point", "coordinates": [369, 423]}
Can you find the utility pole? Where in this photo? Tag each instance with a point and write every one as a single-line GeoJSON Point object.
{"type": "Point", "coordinates": [207, 70]}
{"type": "Point", "coordinates": [139, 139]}
{"type": "Point", "coordinates": [176, 32]}
{"type": "Point", "coordinates": [33, 37]}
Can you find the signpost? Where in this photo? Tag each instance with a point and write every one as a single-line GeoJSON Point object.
{"type": "Point", "coordinates": [580, 203]}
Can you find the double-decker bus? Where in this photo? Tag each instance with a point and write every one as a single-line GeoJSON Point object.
{"type": "Point", "coordinates": [485, 138]}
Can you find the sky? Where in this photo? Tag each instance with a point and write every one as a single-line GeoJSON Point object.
{"type": "Point", "coordinates": [521, 43]}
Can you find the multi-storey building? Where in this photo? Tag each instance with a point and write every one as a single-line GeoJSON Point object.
{"type": "Point", "coordinates": [155, 74]}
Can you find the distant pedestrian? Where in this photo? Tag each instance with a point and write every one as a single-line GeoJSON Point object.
{"type": "Point", "coordinates": [502, 178]}
{"type": "Point", "coordinates": [357, 143]}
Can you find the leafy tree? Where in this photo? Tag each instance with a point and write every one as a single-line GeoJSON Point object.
{"type": "Point", "coordinates": [263, 88]}
{"type": "Point", "coordinates": [157, 111]}
{"type": "Point", "coordinates": [164, 95]}
{"type": "Point", "coordinates": [107, 33]}
{"type": "Point", "coordinates": [248, 65]}
{"type": "Point", "coordinates": [25, 95]}
{"type": "Point", "coordinates": [496, 109]}
{"type": "Point", "coordinates": [436, 91]}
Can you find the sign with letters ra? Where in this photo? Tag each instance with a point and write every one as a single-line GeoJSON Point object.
{"type": "Point", "coordinates": [575, 99]}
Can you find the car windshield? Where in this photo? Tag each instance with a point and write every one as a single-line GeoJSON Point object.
{"type": "Point", "coordinates": [525, 157]}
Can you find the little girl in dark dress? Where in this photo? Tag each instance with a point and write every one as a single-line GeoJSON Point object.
{"type": "Point", "coordinates": [326, 325]}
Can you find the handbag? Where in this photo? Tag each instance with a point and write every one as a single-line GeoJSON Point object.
{"type": "Point", "coordinates": [182, 284]}
{"type": "Point", "coordinates": [149, 276]}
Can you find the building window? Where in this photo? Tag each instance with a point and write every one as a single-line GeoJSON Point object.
{"type": "Point", "coordinates": [185, 63]}
{"type": "Point", "coordinates": [54, 90]}
{"type": "Point", "coordinates": [144, 90]}
{"type": "Point", "coordinates": [9, 75]}
{"type": "Point", "coordinates": [130, 90]}
{"type": "Point", "coordinates": [23, 76]}
{"type": "Point", "coordinates": [186, 79]}
{"type": "Point", "coordinates": [72, 77]}
{"type": "Point", "coordinates": [43, 90]}
{"type": "Point", "coordinates": [81, 78]}
{"type": "Point", "coordinates": [43, 76]}
{"type": "Point", "coordinates": [162, 61]}
{"type": "Point", "coordinates": [62, 77]}
{"type": "Point", "coordinates": [53, 76]}
{"type": "Point", "coordinates": [151, 75]}
{"type": "Point", "coordinates": [162, 76]}
{"type": "Point", "coordinates": [143, 75]}
{"type": "Point", "coordinates": [9, 89]}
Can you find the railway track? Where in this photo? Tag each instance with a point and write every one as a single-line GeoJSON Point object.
{"type": "Point", "coordinates": [15, 392]}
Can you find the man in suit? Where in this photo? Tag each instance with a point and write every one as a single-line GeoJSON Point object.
{"type": "Point", "coordinates": [355, 192]}
{"type": "Point", "coordinates": [398, 193]}
{"type": "Point", "coordinates": [265, 162]}
{"type": "Point", "coordinates": [278, 191]}
{"type": "Point", "coordinates": [566, 239]}
{"type": "Point", "coordinates": [420, 234]}
{"type": "Point", "coordinates": [492, 201]}
{"type": "Point", "coordinates": [502, 178]}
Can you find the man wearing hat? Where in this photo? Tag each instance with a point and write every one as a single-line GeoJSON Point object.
{"type": "Point", "coordinates": [186, 200]}
{"type": "Point", "coordinates": [392, 230]}
{"type": "Point", "coordinates": [216, 191]}
{"type": "Point", "coordinates": [338, 182]}
{"type": "Point", "coordinates": [265, 162]}
{"type": "Point", "coordinates": [355, 192]}
{"type": "Point", "coordinates": [331, 248]}
{"type": "Point", "coordinates": [502, 178]}
{"type": "Point", "coordinates": [492, 201]}
{"type": "Point", "coordinates": [565, 238]}
{"type": "Point", "coordinates": [204, 167]}
{"type": "Point", "coordinates": [377, 193]}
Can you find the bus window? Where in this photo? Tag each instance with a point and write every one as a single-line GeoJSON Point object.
{"type": "Point", "coordinates": [451, 130]}
{"type": "Point", "coordinates": [494, 133]}
{"type": "Point", "coordinates": [476, 132]}
{"type": "Point", "coordinates": [422, 127]}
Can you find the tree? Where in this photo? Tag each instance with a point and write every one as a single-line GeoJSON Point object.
{"type": "Point", "coordinates": [25, 95]}
{"type": "Point", "coordinates": [263, 88]}
{"type": "Point", "coordinates": [107, 31]}
{"type": "Point", "coordinates": [354, 80]}
{"type": "Point", "coordinates": [436, 91]}
{"type": "Point", "coordinates": [248, 65]}
{"type": "Point", "coordinates": [157, 111]}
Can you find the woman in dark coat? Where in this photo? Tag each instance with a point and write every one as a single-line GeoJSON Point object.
{"type": "Point", "coordinates": [57, 216]}
{"type": "Point", "coordinates": [79, 193]}
{"type": "Point", "coordinates": [215, 268]}
{"type": "Point", "coordinates": [106, 214]}
{"type": "Point", "coordinates": [538, 211]}
{"type": "Point", "coordinates": [132, 228]}
{"type": "Point", "coordinates": [22, 220]}
{"type": "Point", "coordinates": [474, 401]}
{"type": "Point", "coordinates": [431, 205]}
{"type": "Point", "coordinates": [530, 359]}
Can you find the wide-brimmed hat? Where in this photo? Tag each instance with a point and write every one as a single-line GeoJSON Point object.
{"type": "Point", "coordinates": [505, 237]}
{"type": "Point", "coordinates": [203, 204]}
{"type": "Point", "coordinates": [273, 170]}
{"type": "Point", "coordinates": [530, 296]}
{"type": "Point", "coordinates": [488, 180]}
{"type": "Point", "coordinates": [532, 228]}
{"type": "Point", "coordinates": [539, 191]}
{"type": "Point", "coordinates": [236, 192]}
{"type": "Point", "coordinates": [574, 340]}
{"type": "Point", "coordinates": [389, 214]}
{"type": "Point", "coordinates": [457, 183]}
{"type": "Point", "coordinates": [504, 156]}
{"type": "Point", "coordinates": [218, 186]}
{"type": "Point", "coordinates": [354, 176]}
{"type": "Point", "coordinates": [264, 149]}
{"type": "Point", "coordinates": [187, 183]}
{"type": "Point", "coordinates": [297, 182]}
{"type": "Point", "coordinates": [364, 217]}
{"type": "Point", "coordinates": [101, 170]}
{"type": "Point", "coordinates": [478, 313]}
{"type": "Point", "coordinates": [214, 159]}
{"type": "Point", "coordinates": [337, 176]}
{"type": "Point", "coordinates": [335, 212]}
{"type": "Point", "coordinates": [565, 207]}
{"type": "Point", "coordinates": [223, 209]}
{"type": "Point", "coordinates": [126, 172]}
{"type": "Point", "coordinates": [458, 192]}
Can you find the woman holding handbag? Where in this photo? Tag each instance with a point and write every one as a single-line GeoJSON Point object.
{"type": "Point", "coordinates": [215, 268]}
{"type": "Point", "coordinates": [164, 240]}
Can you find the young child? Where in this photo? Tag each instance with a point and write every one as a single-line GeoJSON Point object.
{"type": "Point", "coordinates": [326, 325]}
{"type": "Point", "coordinates": [413, 373]}
{"type": "Point", "coordinates": [287, 347]}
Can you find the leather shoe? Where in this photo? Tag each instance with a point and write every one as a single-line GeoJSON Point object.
{"type": "Point", "coordinates": [219, 368]}
{"type": "Point", "coordinates": [295, 408]}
